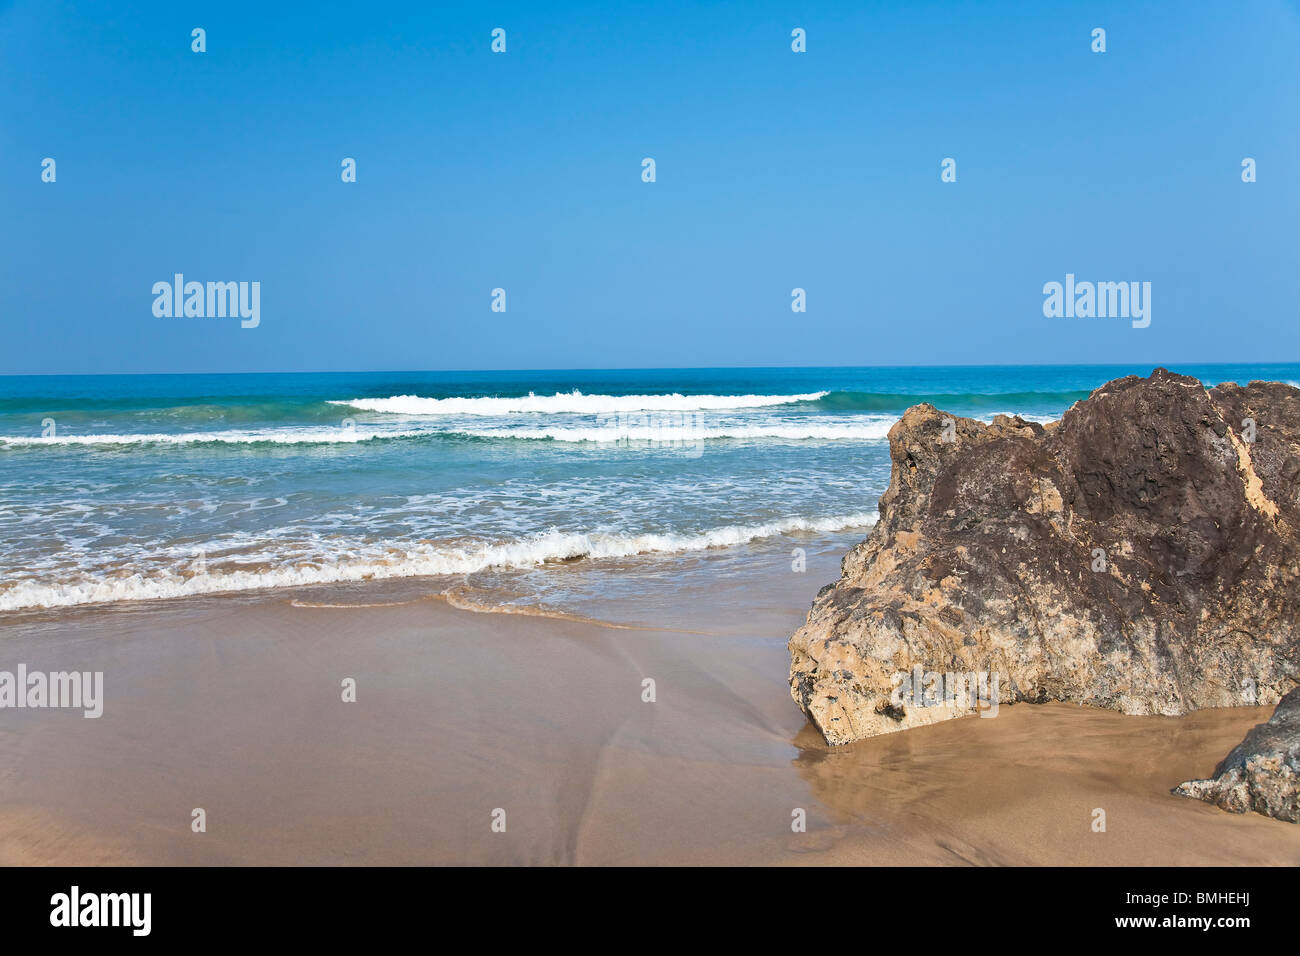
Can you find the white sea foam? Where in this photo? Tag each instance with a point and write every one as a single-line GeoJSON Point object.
{"type": "Point", "coordinates": [574, 402]}
{"type": "Point", "coordinates": [866, 431]}
{"type": "Point", "coordinates": [273, 436]}
{"type": "Point", "coordinates": [424, 560]}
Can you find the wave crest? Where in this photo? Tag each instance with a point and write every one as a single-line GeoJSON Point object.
{"type": "Point", "coordinates": [599, 433]}
{"type": "Point", "coordinates": [574, 402]}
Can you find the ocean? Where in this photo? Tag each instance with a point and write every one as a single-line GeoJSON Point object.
{"type": "Point", "coordinates": [542, 489]}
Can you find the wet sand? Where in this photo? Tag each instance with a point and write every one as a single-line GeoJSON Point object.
{"type": "Point", "coordinates": [234, 705]}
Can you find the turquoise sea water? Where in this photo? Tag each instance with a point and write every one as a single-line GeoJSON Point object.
{"type": "Point", "coordinates": [117, 488]}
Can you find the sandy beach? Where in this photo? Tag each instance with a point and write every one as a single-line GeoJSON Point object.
{"type": "Point", "coordinates": [233, 704]}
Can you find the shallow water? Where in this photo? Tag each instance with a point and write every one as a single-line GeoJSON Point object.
{"type": "Point", "coordinates": [145, 487]}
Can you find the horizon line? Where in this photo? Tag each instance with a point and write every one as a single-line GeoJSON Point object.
{"type": "Point", "coordinates": [655, 368]}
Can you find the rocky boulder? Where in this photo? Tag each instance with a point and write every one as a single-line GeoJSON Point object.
{"type": "Point", "coordinates": [1139, 555]}
{"type": "Point", "coordinates": [1262, 773]}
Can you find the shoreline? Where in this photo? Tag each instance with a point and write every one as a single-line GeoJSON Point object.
{"type": "Point", "coordinates": [233, 704]}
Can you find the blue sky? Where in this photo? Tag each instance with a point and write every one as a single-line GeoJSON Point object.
{"type": "Point", "coordinates": [522, 170]}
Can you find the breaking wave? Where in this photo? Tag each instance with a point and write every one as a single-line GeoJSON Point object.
{"type": "Point", "coordinates": [574, 402]}
{"type": "Point", "coordinates": [420, 561]}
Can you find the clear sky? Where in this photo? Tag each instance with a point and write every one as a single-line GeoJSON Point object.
{"type": "Point", "coordinates": [522, 170]}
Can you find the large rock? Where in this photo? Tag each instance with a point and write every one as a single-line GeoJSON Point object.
{"type": "Point", "coordinates": [1262, 773]}
{"type": "Point", "coordinates": [1139, 555]}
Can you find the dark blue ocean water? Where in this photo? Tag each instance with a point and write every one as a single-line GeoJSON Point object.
{"type": "Point", "coordinates": [143, 487]}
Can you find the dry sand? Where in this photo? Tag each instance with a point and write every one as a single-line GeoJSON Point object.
{"type": "Point", "coordinates": [233, 704]}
